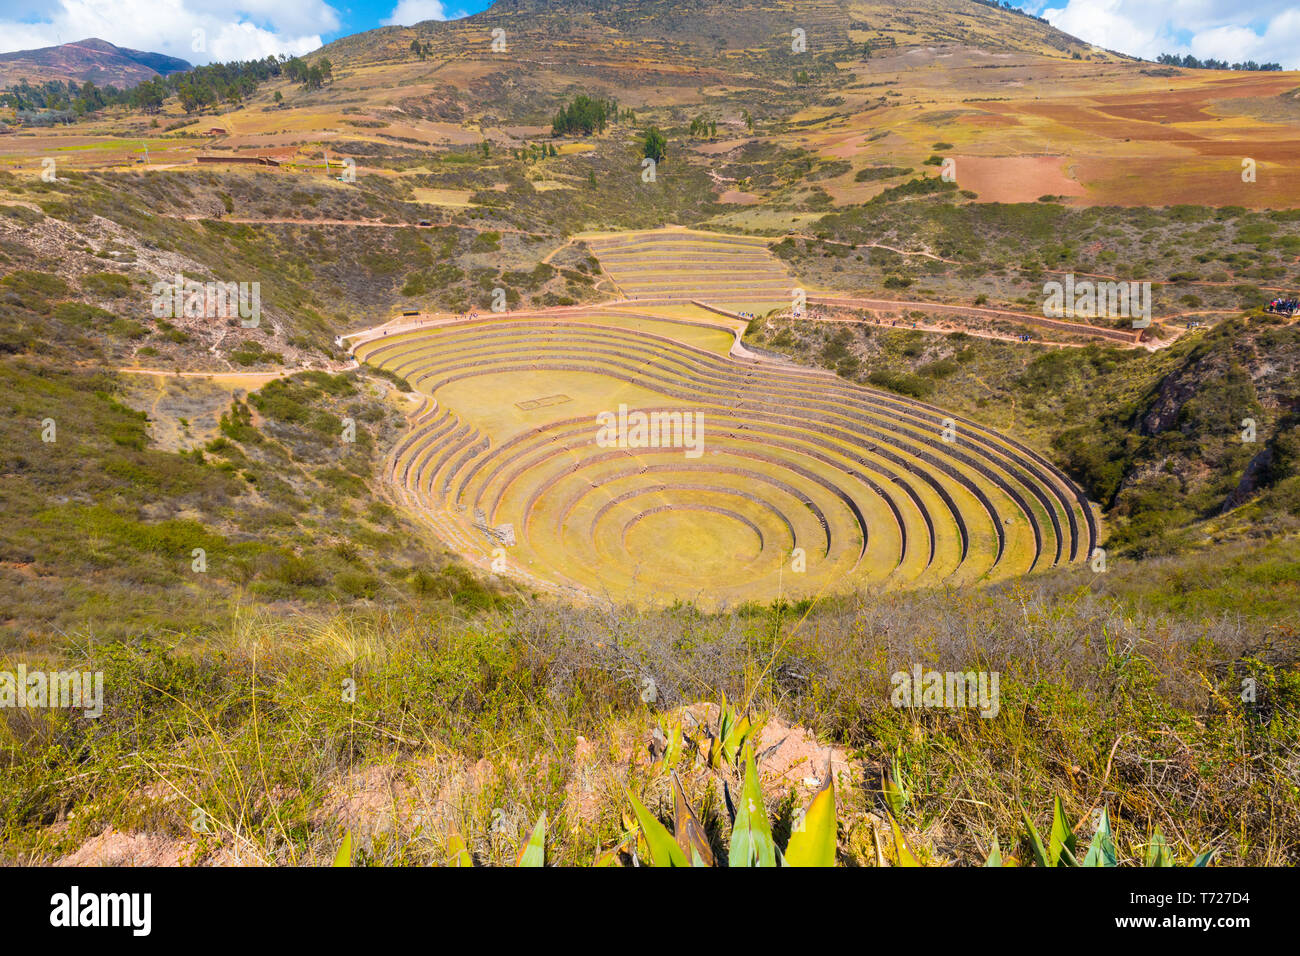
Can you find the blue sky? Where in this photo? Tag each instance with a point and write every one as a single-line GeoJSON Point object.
{"type": "Point", "coordinates": [206, 30]}
{"type": "Point", "coordinates": [367, 14]}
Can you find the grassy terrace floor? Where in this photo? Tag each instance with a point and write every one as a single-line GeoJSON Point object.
{"type": "Point", "coordinates": [684, 264]}
{"type": "Point", "coordinates": [794, 469]}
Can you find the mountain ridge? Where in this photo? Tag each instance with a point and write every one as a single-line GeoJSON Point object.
{"type": "Point", "coordinates": [99, 61]}
{"type": "Point", "coordinates": [741, 29]}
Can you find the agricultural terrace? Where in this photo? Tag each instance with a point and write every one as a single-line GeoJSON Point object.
{"type": "Point", "coordinates": [776, 468]}
{"type": "Point", "coordinates": [683, 265]}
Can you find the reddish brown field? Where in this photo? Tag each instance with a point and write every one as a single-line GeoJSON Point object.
{"type": "Point", "coordinates": [1015, 178]}
{"type": "Point", "coordinates": [1035, 126]}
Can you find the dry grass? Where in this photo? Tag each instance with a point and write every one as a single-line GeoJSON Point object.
{"type": "Point", "coordinates": [477, 726]}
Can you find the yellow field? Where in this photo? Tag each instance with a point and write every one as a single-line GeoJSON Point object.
{"type": "Point", "coordinates": [683, 265]}
{"type": "Point", "coordinates": [454, 198]}
{"type": "Point", "coordinates": [1020, 115]}
{"type": "Point", "coordinates": [1035, 126]}
{"type": "Point", "coordinates": [761, 479]}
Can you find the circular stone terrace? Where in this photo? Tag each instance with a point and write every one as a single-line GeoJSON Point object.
{"type": "Point", "coordinates": [635, 451]}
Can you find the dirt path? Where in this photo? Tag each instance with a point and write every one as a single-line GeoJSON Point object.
{"type": "Point", "coordinates": [869, 245]}
{"type": "Point", "coordinates": [918, 326]}
{"type": "Point", "coordinates": [363, 223]}
{"type": "Point", "coordinates": [1118, 336]}
{"type": "Point", "coordinates": [410, 323]}
{"type": "Point", "coordinates": [948, 330]}
{"type": "Point", "coordinates": [260, 378]}
{"type": "Point", "coordinates": [1121, 338]}
{"type": "Point", "coordinates": [1168, 323]}
{"type": "Point", "coordinates": [557, 250]}
{"type": "Point", "coordinates": [236, 378]}
{"type": "Point", "coordinates": [371, 223]}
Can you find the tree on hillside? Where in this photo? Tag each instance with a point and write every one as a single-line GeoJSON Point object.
{"type": "Point", "coordinates": [1190, 62]}
{"type": "Point", "coordinates": [195, 95]}
{"type": "Point", "coordinates": [149, 95]}
{"type": "Point", "coordinates": [655, 146]}
{"type": "Point", "coordinates": [584, 115]}
{"type": "Point", "coordinates": [196, 88]}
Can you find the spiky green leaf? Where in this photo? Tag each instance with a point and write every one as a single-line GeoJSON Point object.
{"type": "Point", "coordinates": [1061, 837]}
{"type": "Point", "coordinates": [751, 834]}
{"type": "Point", "coordinates": [895, 793]}
{"type": "Point", "coordinates": [688, 829]}
{"type": "Point", "coordinates": [1101, 852]}
{"type": "Point", "coordinates": [534, 852]}
{"type": "Point", "coordinates": [344, 856]}
{"type": "Point", "coordinates": [457, 852]}
{"type": "Point", "coordinates": [995, 854]}
{"type": "Point", "coordinates": [813, 841]}
{"type": "Point", "coordinates": [1035, 841]}
{"type": "Point", "coordinates": [902, 855]}
{"type": "Point", "coordinates": [1158, 852]}
{"type": "Point", "coordinates": [664, 850]}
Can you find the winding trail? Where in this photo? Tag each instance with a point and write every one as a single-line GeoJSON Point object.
{"type": "Point", "coordinates": [361, 223]}
{"type": "Point", "coordinates": [257, 378]}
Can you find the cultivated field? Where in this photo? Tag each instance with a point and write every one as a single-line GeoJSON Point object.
{"type": "Point", "coordinates": [683, 265]}
{"type": "Point", "coordinates": [1021, 110]}
{"type": "Point", "coordinates": [793, 483]}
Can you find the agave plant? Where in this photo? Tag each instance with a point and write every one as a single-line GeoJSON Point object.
{"type": "Point", "coordinates": [344, 856]}
{"type": "Point", "coordinates": [811, 844]}
{"type": "Point", "coordinates": [534, 851]}
{"type": "Point", "coordinates": [720, 749]}
{"type": "Point", "coordinates": [813, 841]}
{"type": "Point", "coordinates": [896, 799]}
{"type": "Point", "coordinates": [1060, 848]}
{"type": "Point", "coordinates": [734, 733]}
{"type": "Point", "coordinates": [751, 843]}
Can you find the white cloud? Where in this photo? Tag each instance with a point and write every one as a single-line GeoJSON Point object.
{"type": "Point", "coordinates": [1263, 30]}
{"type": "Point", "coordinates": [230, 29]}
{"type": "Point", "coordinates": [408, 12]}
{"type": "Point", "coordinates": [1278, 43]}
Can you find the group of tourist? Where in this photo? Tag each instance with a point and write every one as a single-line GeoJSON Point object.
{"type": "Point", "coordinates": [1284, 306]}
